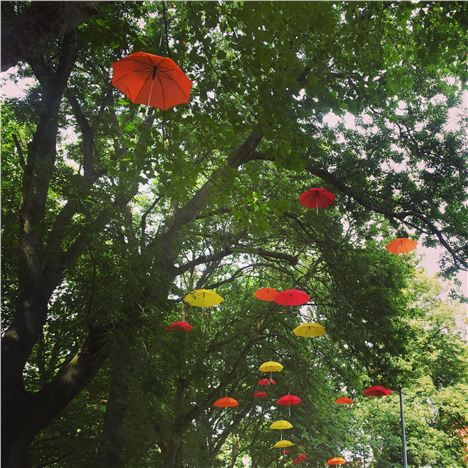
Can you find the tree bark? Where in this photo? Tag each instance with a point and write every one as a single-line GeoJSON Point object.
{"type": "Point", "coordinates": [111, 451]}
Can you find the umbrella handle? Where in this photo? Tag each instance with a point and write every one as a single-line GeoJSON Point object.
{"type": "Point", "coordinates": [149, 99]}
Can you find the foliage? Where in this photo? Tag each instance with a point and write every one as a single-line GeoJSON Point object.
{"type": "Point", "coordinates": [120, 213]}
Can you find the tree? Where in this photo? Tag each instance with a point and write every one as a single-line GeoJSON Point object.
{"type": "Point", "coordinates": [218, 173]}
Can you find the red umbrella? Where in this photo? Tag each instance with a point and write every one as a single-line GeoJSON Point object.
{"type": "Point", "coordinates": [292, 297]}
{"type": "Point", "coordinates": [316, 198]}
{"type": "Point", "coordinates": [260, 394]}
{"type": "Point", "coordinates": [266, 381]}
{"type": "Point", "coordinates": [285, 452]}
{"type": "Point", "coordinates": [299, 459]}
{"type": "Point", "coordinates": [266, 294]}
{"type": "Point", "coordinates": [226, 402]}
{"type": "Point", "coordinates": [151, 80]}
{"type": "Point", "coordinates": [178, 326]}
{"type": "Point", "coordinates": [344, 401]}
{"type": "Point", "coordinates": [289, 400]}
{"type": "Point", "coordinates": [377, 391]}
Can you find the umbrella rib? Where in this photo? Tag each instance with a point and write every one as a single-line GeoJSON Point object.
{"type": "Point", "coordinates": [177, 84]}
{"type": "Point", "coordinates": [144, 84]}
{"type": "Point", "coordinates": [162, 91]}
{"type": "Point", "coordinates": [129, 73]}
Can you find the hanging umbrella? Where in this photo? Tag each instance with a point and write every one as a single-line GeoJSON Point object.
{"type": "Point", "coordinates": [271, 366]}
{"type": "Point", "coordinates": [309, 329]}
{"type": "Point", "coordinates": [178, 326]}
{"type": "Point", "coordinates": [266, 294]}
{"type": "Point", "coordinates": [344, 401]}
{"type": "Point", "coordinates": [336, 461]}
{"type": "Point", "coordinates": [203, 298]}
{"type": "Point", "coordinates": [316, 198]}
{"type": "Point", "coordinates": [260, 394]}
{"type": "Point", "coordinates": [299, 459]}
{"type": "Point", "coordinates": [151, 80]}
{"type": "Point", "coordinates": [226, 402]}
{"type": "Point", "coordinates": [292, 297]}
{"type": "Point", "coordinates": [266, 381]}
{"type": "Point", "coordinates": [283, 443]}
{"type": "Point", "coordinates": [281, 425]}
{"type": "Point", "coordinates": [289, 400]}
{"type": "Point", "coordinates": [377, 391]}
{"type": "Point", "coordinates": [402, 245]}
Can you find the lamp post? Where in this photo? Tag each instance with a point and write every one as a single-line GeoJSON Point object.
{"type": "Point", "coordinates": [403, 432]}
{"type": "Point", "coordinates": [379, 391]}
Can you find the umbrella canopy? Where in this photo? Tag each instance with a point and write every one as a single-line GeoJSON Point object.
{"type": "Point", "coordinates": [266, 294]}
{"type": "Point", "coordinates": [181, 326]}
{"type": "Point", "coordinates": [260, 394]}
{"type": "Point", "coordinates": [285, 452]}
{"type": "Point", "coordinates": [292, 297]}
{"type": "Point", "coordinates": [402, 245]}
{"type": "Point", "coordinates": [344, 401]}
{"type": "Point", "coordinates": [299, 459]}
{"type": "Point", "coordinates": [203, 298]}
{"type": "Point", "coordinates": [271, 366]}
{"type": "Point", "coordinates": [316, 198]}
{"type": "Point", "coordinates": [226, 402]}
{"type": "Point", "coordinates": [289, 400]}
{"type": "Point", "coordinates": [377, 391]}
{"type": "Point", "coordinates": [151, 80]}
{"type": "Point", "coordinates": [309, 329]}
{"type": "Point", "coordinates": [266, 381]}
{"type": "Point", "coordinates": [336, 461]}
{"type": "Point", "coordinates": [281, 425]}
{"type": "Point", "coordinates": [283, 443]}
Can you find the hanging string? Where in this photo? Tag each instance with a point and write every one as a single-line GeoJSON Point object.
{"type": "Point", "coordinates": [166, 29]}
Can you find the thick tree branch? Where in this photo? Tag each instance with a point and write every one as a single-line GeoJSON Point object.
{"type": "Point", "coordinates": [29, 33]}
{"type": "Point", "coordinates": [236, 250]}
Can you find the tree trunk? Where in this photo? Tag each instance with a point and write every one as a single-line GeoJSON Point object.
{"type": "Point", "coordinates": [111, 451]}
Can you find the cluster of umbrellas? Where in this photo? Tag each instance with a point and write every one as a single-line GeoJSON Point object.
{"type": "Point", "coordinates": [158, 81]}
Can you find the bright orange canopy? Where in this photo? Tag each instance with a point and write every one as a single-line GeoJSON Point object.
{"type": "Point", "coordinates": [226, 402]}
{"type": "Point", "coordinates": [151, 80]}
{"type": "Point", "coordinates": [266, 294]}
{"type": "Point", "coordinates": [402, 245]}
{"type": "Point", "coordinates": [336, 461]}
{"type": "Point", "coordinates": [344, 401]}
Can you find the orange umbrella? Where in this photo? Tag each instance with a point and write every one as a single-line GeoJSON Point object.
{"type": "Point", "coordinates": [336, 461]}
{"type": "Point", "coordinates": [402, 245]}
{"type": "Point", "coordinates": [266, 294]}
{"type": "Point", "coordinates": [226, 402]}
{"type": "Point", "coordinates": [151, 80]}
{"type": "Point", "coordinates": [344, 401]}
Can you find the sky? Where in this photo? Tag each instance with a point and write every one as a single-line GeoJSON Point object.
{"type": "Point", "coordinates": [428, 257]}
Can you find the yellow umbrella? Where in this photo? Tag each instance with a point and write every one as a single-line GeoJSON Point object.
{"type": "Point", "coordinates": [283, 444]}
{"type": "Point", "coordinates": [309, 329]}
{"type": "Point", "coordinates": [281, 425]}
{"type": "Point", "coordinates": [203, 298]}
{"type": "Point", "coordinates": [271, 366]}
